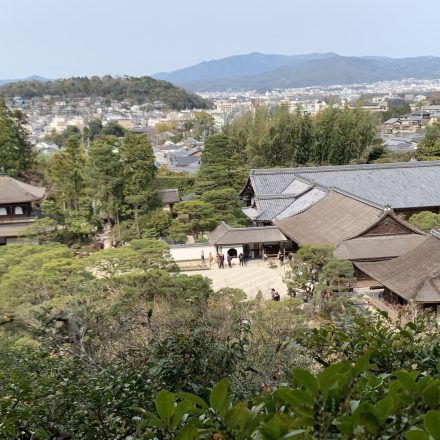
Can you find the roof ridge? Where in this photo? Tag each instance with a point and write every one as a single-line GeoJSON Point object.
{"type": "Point", "coordinates": [355, 197]}
{"type": "Point", "coordinates": [435, 233]}
{"type": "Point", "coordinates": [299, 170]}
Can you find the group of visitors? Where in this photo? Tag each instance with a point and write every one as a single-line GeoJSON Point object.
{"type": "Point", "coordinates": [280, 256]}
{"type": "Point", "coordinates": [220, 259]}
{"type": "Point", "coordinates": [275, 295]}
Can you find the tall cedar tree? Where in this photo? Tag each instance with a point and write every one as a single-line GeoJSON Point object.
{"type": "Point", "coordinates": [66, 175]}
{"type": "Point", "coordinates": [138, 173]}
{"type": "Point", "coordinates": [105, 180]}
{"type": "Point", "coordinates": [15, 150]}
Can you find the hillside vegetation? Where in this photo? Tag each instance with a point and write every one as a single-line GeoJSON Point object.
{"type": "Point", "coordinates": [137, 90]}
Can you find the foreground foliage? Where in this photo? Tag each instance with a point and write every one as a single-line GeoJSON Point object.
{"type": "Point", "coordinates": [118, 345]}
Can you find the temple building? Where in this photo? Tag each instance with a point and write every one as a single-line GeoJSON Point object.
{"type": "Point", "coordinates": [279, 193]}
{"type": "Point", "coordinates": [19, 207]}
{"type": "Point", "coordinates": [252, 242]}
{"type": "Point", "coordinates": [414, 275]}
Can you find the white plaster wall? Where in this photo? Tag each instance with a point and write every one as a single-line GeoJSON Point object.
{"type": "Point", "coordinates": [184, 253]}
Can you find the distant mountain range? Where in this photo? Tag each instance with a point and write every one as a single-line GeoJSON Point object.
{"type": "Point", "coordinates": [265, 72]}
{"type": "Point", "coordinates": [29, 78]}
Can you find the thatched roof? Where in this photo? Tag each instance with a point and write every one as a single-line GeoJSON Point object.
{"type": "Point", "coordinates": [377, 247]}
{"type": "Point", "coordinates": [224, 234]}
{"type": "Point", "coordinates": [388, 237]}
{"type": "Point", "coordinates": [334, 218]}
{"type": "Point", "coordinates": [412, 275]}
{"type": "Point", "coordinates": [14, 191]}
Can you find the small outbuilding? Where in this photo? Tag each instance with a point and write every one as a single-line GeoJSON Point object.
{"type": "Point", "coordinates": [253, 241]}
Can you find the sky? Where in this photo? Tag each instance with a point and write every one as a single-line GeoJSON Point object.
{"type": "Point", "coordinates": [63, 38]}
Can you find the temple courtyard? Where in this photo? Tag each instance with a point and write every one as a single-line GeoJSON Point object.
{"type": "Point", "coordinates": [254, 276]}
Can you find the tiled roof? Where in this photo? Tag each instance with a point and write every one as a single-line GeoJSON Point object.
{"type": "Point", "coordinates": [270, 207]}
{"type": "Point", "coordinates": [302, 203]}
{"type": "Point", "coordinates": [224, 234]}
{"type": "Point", "coordinates": [399, 185]}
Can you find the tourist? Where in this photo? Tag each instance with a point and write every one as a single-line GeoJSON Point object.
{"type": "Point", "coordinates": [275, 295]}
{"type": "Point", "coordinates": [241, 258]}
{"type": "Point", "coordinates": [210, 259]}
{"type": "Point", "coordinates": [202, 258]}
{"type": "Point", "coordinates": [281, 258]}
{"type": "Point", "coordinates": [218, 258]}
{"type": "Point", "coordinates": [229, 258]}
{"type": "Point", "coordinates": [222, 261]}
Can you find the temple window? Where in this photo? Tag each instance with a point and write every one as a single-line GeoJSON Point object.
{"type": "Point", "coordinates": [18, 210]}
{"type": "Point", "coordinates": [3, 211]}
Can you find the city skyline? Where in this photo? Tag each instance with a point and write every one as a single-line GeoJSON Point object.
{"type": "Point", "coordinates": [56, 40]}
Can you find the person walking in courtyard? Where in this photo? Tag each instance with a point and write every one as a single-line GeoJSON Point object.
{"type": "Point", "coordinates": [241, 258]}
{"type": "Point", "coordinates": [281, 257]}
{"type": "Point", "coordinates": [210, 259]}
{"type": "Point", "coordinates": [202, 258]}
{"type": "Point", "coordinates": [218, 259]}
{"type": "Point", "coordinates": [222, 261]}
{"type": "Point", "coordinates": [229, 258]}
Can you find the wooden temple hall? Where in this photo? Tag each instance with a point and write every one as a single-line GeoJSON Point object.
{"type": "Point", "coordinates": [361, 210]}
{"type": "Point", "coordinates": [19, 207]}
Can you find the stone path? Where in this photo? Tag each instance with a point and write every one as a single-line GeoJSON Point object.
{"type": "Point", "coordinates": [256, 275]}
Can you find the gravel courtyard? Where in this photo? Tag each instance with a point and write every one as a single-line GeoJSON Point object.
{"type": "Point", "coordinates": [256, 275]}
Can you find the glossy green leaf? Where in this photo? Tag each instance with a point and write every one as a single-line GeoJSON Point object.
{"type": "Point", "coordinates": [219, 397]}
{"type": "Point", "coordinates": [305, 379]}
{"type": "Point", "coordinates": [416, 435]}
{"type": "Point", "coordinates": [432, 424]}
{"type": "Point", "coordinates": [165, 404]}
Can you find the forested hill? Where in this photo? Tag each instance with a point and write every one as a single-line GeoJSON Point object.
{"type": "Point", "coordinates": [266, 72]}
{"type": "Point", "coordinates": [137, 90]}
